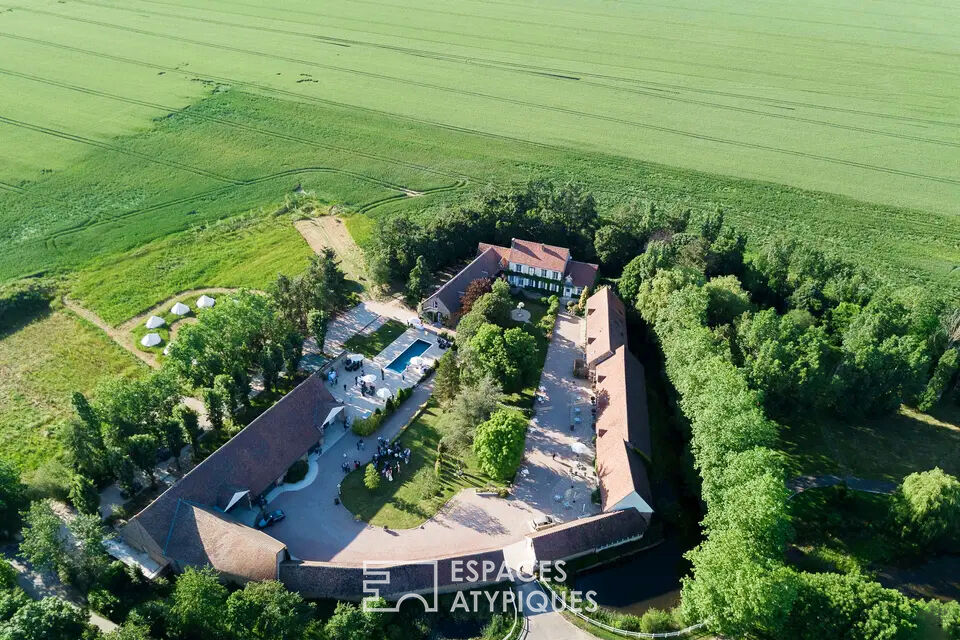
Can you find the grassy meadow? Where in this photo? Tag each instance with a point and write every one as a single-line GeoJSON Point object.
{"type": "Point", "coordinates": [879, 448]}
{"type": "Point", "coordinates": [248, 251]}
{"type": "Point", "coordinates": [41, 365]}
{"type": "Point", "coordinates": [124, 123]}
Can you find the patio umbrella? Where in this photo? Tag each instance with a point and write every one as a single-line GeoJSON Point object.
{"type": "Point", "coordinates": [153, 322]}
{"type": "Point", "coordinates": [416, 361]}
{"type": "Point", "coordinates": [369, 378]}
{"type": "Point", "coordinates": [383, 393]}
{"type": "Point", "coordinates": [427, 363]}
{"type": "Point", "coordinates": [579, 448]}
{"type": "Point", "coordinates": [355, 357]}
{"type": "Point", "coordinates": [151, 340]}
{"type": "Point", "coordinates": [179, 309]}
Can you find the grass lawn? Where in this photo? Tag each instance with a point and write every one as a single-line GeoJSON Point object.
{"type": "Point", "coordinates": [246, 251]}
{"type": "Point", "coordinates": [361, 228]}
{"type": "Point", "coordinates": [417, 494]}
{"type": "Point", "coordinates": [41, 365]}
{"type": "Point", "coordinates": [886, 447]}
{"type": "Point", "coordinates": [842, 530]}
{"type": "Point", "coordinates": [373, 343]}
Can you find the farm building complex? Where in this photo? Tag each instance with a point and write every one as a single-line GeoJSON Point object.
{"type": "Point", "coordinates": [206, 518]}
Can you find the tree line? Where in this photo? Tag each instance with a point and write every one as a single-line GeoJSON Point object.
{"type": "Point", "coordinates": [796, 336]}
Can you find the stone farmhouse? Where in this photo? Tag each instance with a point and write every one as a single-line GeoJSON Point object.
{"type": "Point", "coordinates": [539, 267]}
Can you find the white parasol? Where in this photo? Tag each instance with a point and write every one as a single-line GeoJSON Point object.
{"type": "Point", "coordinates": [383, 393]}
{"type": "Point", "coordinates": [369, 378]}
{"type": "Point", "coordinates": [579, 448]}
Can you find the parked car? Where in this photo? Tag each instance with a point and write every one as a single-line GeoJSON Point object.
{"type": "Point", "coordinates": [270, 518]}
{"type": "Point", "coordinates": [542, 522]}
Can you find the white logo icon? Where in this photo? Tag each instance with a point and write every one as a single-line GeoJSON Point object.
{"type": "Point", "coordinates": [376, 582]}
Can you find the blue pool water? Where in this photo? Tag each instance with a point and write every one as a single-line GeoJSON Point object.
{"type": "Point", "coordinates": [418, 348]}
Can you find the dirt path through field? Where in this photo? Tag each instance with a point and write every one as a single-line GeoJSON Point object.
{"type": "Point", "coordinates": [120, 335]}
{"type": "Point", "coordinates": [329, 231]}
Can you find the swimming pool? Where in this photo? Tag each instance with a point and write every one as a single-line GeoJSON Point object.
{"type": "Point", "coordinates": [418, 348]}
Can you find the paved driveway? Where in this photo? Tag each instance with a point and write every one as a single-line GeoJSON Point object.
{"type": "Point", "coordinates": [317, 529]}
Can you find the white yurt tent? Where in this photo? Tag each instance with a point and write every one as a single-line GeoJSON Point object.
{"type": "Point", "coordinates": [179, 309]}
{"type": "Point", "coordinates": [151, 340]}
{"type": "Point", "coordinates": [155, 322]}
{"type": "Point", "coordinates": [205, 302]}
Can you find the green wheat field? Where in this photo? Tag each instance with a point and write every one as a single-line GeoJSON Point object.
{"type": "Point", "coordinates": [122, 123]}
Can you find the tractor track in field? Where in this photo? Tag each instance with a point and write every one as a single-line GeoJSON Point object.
{"type": "Point", "coordinates": [309, 98]}
{"type": "Point", "coordinates": [6, 186]}
{"type": "Point", "coordinates": [916, 223]}
{"type": "Point", "coordinates": [353, 42]}
{"type": "Point", "coordinates": [676, 23]}
{"type": "Point", "coordinates": [56, 133]}
{"type": "Point", "coordinates": [419, 53]}
{"type": "Point", "coordinates": [188, 113]}
{"type": "Point", "coordinates": [51, 240]}
{"type": "Point", "coordinates": [563, 74]}
{"type": "Point", "coordinates": [545, 107]}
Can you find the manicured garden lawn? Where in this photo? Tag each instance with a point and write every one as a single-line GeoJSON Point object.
{"type": "Point", "coordinates": [416, 494]}
{"type": "Point", "coordinates": [373, 343]}
{"type": "Point", "coordinates": [41, 365]}
{"type": "Point", "coordinates": [884, 447]}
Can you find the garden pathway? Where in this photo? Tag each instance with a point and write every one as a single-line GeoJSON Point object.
{"type": "Point", "coordinates": [802, 483]}
{"type": "Point", "coordinates": [548, 624]}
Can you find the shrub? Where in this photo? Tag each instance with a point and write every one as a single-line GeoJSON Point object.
{"type": "Point", "coordinates": [297, 471]}
{"type": "Point", "coordinates": [656, 621]}
{"type": "Point", "coordinates": [23, 299]}
{"type": "Point", "coordinates": [102, 601]}
{"type": "Point", "coordinates": [363, 427]}
{"type": "Point", "coordinates": [371, 479]}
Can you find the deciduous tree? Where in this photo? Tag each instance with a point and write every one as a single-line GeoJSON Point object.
{"type": "Point", "coordinates": [499, 443]}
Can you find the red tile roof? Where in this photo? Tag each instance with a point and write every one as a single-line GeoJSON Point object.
{"type": "Point", "coordinates": [606, 325]}
{"type": "Point", "coordinates": [537, 254]}
{"type": "Point", "coordinates": [623, 429]}
{"type": "Point", "coordinates": [200, 537]}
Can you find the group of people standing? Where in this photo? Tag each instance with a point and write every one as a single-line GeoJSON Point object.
{"type": "Point", "coordinates": [388, 458]}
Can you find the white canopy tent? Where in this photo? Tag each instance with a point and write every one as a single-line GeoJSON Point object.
{"type": "Point", "coordinates": [205, 302]}
{"type": "Point", "coordinates": [332, 414]}
{"type": "Point", "coordinates": [155, 322]}
{"type": "Point", "coordinates": [179, 309]}
{"type": "Point", "coordinates": [151, 340]}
